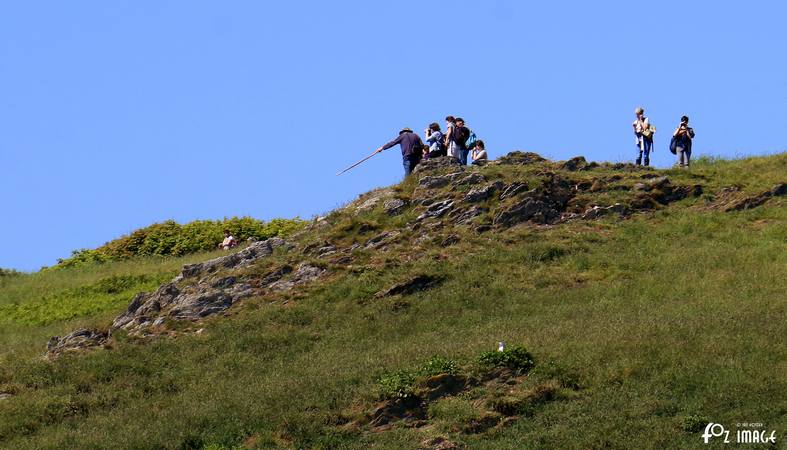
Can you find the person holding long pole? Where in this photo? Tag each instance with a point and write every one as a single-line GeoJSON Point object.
{"type": "Point", "coordinates": [412, 149]}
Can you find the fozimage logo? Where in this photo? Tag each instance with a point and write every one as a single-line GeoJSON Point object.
{"type": "Point", "coordinates": [746, 433]}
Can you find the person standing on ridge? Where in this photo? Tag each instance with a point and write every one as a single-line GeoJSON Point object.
{"type": "Point", "coordinates": [461, 134]}
{"type": "Point", "coordinates": [434, 139]}
{"type": "Point", "coordinates": [412, 147]}
{"type": "Point", "coordinates": [683, 136]}
{"type": "Point", "coordinates": [644, 134]}
{"type": "Point", "coordinates": [450, 145]}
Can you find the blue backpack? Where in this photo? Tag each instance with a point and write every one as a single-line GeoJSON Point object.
{"type": "Point", "coordinates": [470, 142]}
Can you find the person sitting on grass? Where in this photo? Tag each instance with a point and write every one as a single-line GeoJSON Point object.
{"type": "Point", "coordinates": [479, 153]}
{"type": "Point", "coordinates": [229, 241]}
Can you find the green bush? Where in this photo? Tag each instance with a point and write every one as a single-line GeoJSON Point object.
{"type": "Point", "coordinates": [515, 358]}
{"type": "Point", "coordinates": [172, 239]}
{"type": "Point", "coordinates": [397, 384]}
{"type": "Point", "coordinates": [438, 365]}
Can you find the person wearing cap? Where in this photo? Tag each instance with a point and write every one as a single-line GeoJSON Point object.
{"type": "Point", "coordinates": [644, 135]}
{"type": "Point", "coordinates": [412, 149]}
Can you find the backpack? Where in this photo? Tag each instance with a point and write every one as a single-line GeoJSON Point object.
{"type": "Point", "coordinates": [461, 135]}
{"type": "Point", "coordinates": [673, 145]}
{"type": "Point", "coordinates": [470, 143]}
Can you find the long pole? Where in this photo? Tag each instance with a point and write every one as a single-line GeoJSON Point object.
{"type": "Point", "coordinates": [359, 162]}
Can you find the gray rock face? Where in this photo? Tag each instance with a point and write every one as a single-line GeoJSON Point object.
{"type": "Point", "coordinates": [394, 206]}
{"type": "Point", "coordinates": [382, 240]}
{"type": "Point", "coordinates": [467, 216]}
{"type": "Point", "coordinates": [528, 209]}
{"type": "Point", "coordinates": [433, 164]}
{"type": "Point", "coordinates": [521, 158]}
{"type": "Point", "coordinates": [578, 163]}
{"type": "Point", "coordinates": [436, 209]}
{"type": "Point", "coordinates": [304, 273]}
{"type": "Point", "coordinates": [243, 258]}
{"type": "Point", "coordinates": [598, 211]}
{"type": "Point", "coordinates": [482, 193]}
{"type": "Point", "coordinates": [513, 189]}
{"type": "Point", "coordinates": [76, 340]}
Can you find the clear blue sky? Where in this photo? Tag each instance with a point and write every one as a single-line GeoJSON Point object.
{"type": "Point", "coordinates": [118, 114]}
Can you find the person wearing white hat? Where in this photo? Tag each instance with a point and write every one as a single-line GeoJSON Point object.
{"type": "Point", "coordinates": [644, 134]}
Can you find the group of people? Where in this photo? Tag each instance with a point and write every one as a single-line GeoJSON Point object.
{"type": "Point", "coordinates": [680, 144]}
{"type": "Point", "coordinates": [458, 141]}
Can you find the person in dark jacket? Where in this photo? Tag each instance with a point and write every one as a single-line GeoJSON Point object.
{"type": "Point", "coordinates": [683, 135]}
{"type": "Point", "coordinates": [412, 149]}
{"type": "Point", "coordinates": [461, 133]}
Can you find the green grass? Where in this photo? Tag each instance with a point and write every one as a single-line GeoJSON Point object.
{"type": "Point", "coordinates": [660, 322]}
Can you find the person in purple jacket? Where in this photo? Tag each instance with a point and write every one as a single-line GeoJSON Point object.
{"type": "Point", "coordinates": [412, 149]}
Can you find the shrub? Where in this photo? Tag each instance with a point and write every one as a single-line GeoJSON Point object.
{"type": "Point", "coordinates": [438, 365]}
{"type": "Point", "coordinates": [172, 239]}
{"type": "Point", "coordinates": [397, 384]}
{"type": "Point", "coordinates": [515, 358]}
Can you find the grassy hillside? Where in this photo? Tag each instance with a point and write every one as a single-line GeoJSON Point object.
{"type": "Point", "coordinates": [641, 330]}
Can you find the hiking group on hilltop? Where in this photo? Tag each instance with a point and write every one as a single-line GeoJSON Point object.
{"type": "Point", "coordinates": [458, 141]}
{"type": "Point", "coordinates": [680, 144]}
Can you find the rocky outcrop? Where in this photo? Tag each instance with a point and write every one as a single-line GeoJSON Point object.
{"type": "Point", "coordinates": [529, 209]}
{"type": "Point", "coordinates": [415, 284]}
{"type": "Point", "coordinates": [433, 164]}
{"type": "Point", "coordinates": [394, 206]}
{"type": "Point", "coordinates": [237, 260]}
{"type": "Point", "coordinates": [748, 202]}
{"type": "Point", "coordinates": [577, 163]}
{"type": "Point", "coordinates": [436, 209]}
{"type": "Point", "coordinates": [520, 158]}
{"type": "Point", "coordinates": [599, 211]}
{"type": "Point", "coordinates": [76, 340]}
{"type": "Point", "coordinates": [482, 193]}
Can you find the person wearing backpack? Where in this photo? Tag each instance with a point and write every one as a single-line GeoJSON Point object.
{"type": "Point", "coordinates": [450, 135]}
{"type": "Point", "coordinates": [412, 149]}
{"type": "Point", "coordinates": [461, 135]}
{"type": "Point", "coordinates": [681, 141]}
{"type": "Point", "coordinates": [434, 139]}
{"type": "Point", "coordinates": [644, 131]}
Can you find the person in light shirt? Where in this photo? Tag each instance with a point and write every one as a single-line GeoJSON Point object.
{"type": "Point", "coordinates": [228, 242]}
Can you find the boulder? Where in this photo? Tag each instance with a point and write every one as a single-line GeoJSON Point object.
{"type": "Point", "coordinates": [415, 284]}
{"type": "Point", "coordinates": [394, 206]}
{"type": "Point", "coordinates": [242, 258]}
{"type": "Point", "coordinates": [520, 158]}
{"type": "Point", "coordinates": [304, 273]}
{"type": "Point", "coordinates": [513, 189]}
{"type": "Point", "coordinates": [528, 209]}
{"type": "Point", "coordinates": [482, 193]}
{"type": "Point", "coordinates": [433, 164]}
{"type": "Point", "coordinates": [436, 209]}
{"type": "Point", "coordinates": [76, 340]}
{"type": "Point", "coordinates": [382, 239]}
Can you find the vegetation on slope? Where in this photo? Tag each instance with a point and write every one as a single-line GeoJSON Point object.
{"type": "Point", "coordinates": [655, 325]}
{"type": "Point", "coordinates": [173, 239]}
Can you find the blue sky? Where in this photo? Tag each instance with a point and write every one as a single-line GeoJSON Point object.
{"type": "Point", "coordinates": [115, 115]}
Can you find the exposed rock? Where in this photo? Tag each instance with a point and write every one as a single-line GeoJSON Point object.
{"type": "Point", "coordinates": [436, 209]}
{"type": "Point", "coordinates": [433, 182]}
{"type": "Point", "coordinates": [370, 201]}
{"type": "Point", "coordinates": [598, 211]}
{"type": "Point", "coordinates": [441, 385]}
{"type": "Point", "coordinates": [415, 284]}
{"type": "Point", "coordinates": [394, 206]}
{"type": "Point", "coordinates": [451, 239]}
{"type": "Point", "coordinates": [520, 158]}
{"type": "Point", "coordinates": [482, 193]}
{"type": "Point", "coordinates": [144, 305]}
{"type": "Point", "coordinates": [76, 340]}
{"type": "Point", "coordinates": [276, 275]}
{"type": "Point", "coordinates": [577, 163]}
{"type": "Point", "coordinates": [224, 283]}
{"type": "Point", "coordinates": [528, 209]}
{"type": "Point", "coordinates": [754, 201]}
{"type": "Point", "coordinates": [5, 396]}
{"type": "Point", "coordinates": [433, 164]}
{"type": "Point", "coordinates": [304, 273]}
{"type": "Point", "coordinates": [513, 189]}
{"type": "Point", "coordinates": [242, 258]}
{"type": "Point", "coordinates": [473, 178]}
{"type": "Point", "coordinates": [382, 239]}
{"type": "Point", "coordinates": [470, 214]}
